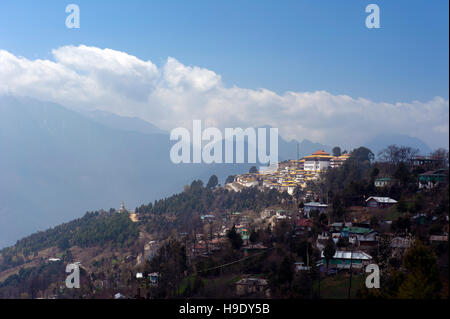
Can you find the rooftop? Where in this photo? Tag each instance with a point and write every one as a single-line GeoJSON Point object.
{"type": "Point", "coordinates": [340, 254]}
{"type": "Point", "coordinates": [303, 222]}
{"type": "Point", "coordinates": [384, 179]}
{"type": "Point", "coordinates": [320, 152]}
{"type": "Point", "coordinates": [252, 281]}
{"type": "Point", "coordinates": [316, 204]}
{"type": "Point", "coordinates": [385, 200]}
{"type": "Point", "coordinates": [357, 230]}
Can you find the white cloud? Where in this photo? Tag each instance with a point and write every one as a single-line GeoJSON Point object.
{"type": "Point", "coordinates": [175, 94]}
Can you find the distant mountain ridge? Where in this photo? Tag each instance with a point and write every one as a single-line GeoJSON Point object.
{"type": "Point", "coordinates": [288, 150]}
{"type": "Point", "coordinates": [380, 142]}
{"type": "Point", "coordinates": [133, 124]}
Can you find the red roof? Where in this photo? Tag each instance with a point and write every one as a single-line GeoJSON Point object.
{"type": "Point", "coordinates": [303, 222]}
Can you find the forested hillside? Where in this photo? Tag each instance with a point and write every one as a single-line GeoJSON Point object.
{"type": "Point", "coordinates": [94, 229]}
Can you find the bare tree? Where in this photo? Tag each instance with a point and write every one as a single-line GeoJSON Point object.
{"type": "Point", "coordinates": [394, 154]}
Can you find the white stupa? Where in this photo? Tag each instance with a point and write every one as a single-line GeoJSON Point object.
{"type": "Point", "coordinates": [122, 208]}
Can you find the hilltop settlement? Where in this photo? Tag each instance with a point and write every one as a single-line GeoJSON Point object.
{"type": "Point", "coordinates": [305, 230]}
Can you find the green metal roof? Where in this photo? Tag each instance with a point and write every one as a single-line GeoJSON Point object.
{"type": "Point", "coordinates": [357, 230]}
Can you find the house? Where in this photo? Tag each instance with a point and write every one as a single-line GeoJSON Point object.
{"type": "Point", "coordinates": [339, 160]}
{"type": "Point", "coordinates": [281, 214]}
{"type": "Point", "coordinates": [431, 179]}
{"type": "Point", "coordinates": [241, 230]}
{"type": "Point", "coordinates": [322, 240]}
{"type": "Point", "coordinates": [300, 266]}
{"type": "Point", "coordinates": [361, 233]}
{"type": "Point", "coordinates": [380, 202]}
{"type": "Point", "coordinates": [153, 278]}
{"type": "Point", "coordinates": [253, 247]}
{"type": "Point", "coordinates": [52, 260]}
{"type": "Point", "coordinates": [247, 180]}
{"type": "Point", "coordinates": [384, 181]}
{"type": "Point", "coordinates": [364, 238]}
{"type": "Point", "coordinates": [288, 187]}
{"type": "Point", "coordinates": [216, 244]}
{"type": "Point", "coordinates": [425, 161]}
{"type": "Point", "coordinates": [303, 224]}
{"type": "Point", "coordinates": [401, 242]}
{"type": "Point", "coordinates": [420, 219]}
{"type": "Point", "coordinates": [199, 248]}
{"type": "Point", "coordinates": [251, 286]}
{"type": "Point", "coordinates": [235, 215]}
{"type": "Point", "coordinates": [207, 217]}
{"type": "Point", "coordinates": [343, 259]}
{"type": "Point", "coordinates": [311, 206]}
{"type": "Point", "coordinates": [337, 226]}
{"type": "Point", "coordinates": [436, 238]}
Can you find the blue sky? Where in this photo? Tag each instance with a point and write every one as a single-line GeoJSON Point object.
{"type": "Point", "coordinates": [279, 45]}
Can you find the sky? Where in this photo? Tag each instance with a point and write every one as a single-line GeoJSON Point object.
{"type": "Point", "coordinates": [311, 68]}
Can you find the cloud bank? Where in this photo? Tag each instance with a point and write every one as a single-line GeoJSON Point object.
{"type": "Point", "coordinates": [174, 94]}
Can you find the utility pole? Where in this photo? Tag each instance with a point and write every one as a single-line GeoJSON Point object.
{"type": "Point", "coordinates": [351, 270]}
{"type": "Point", "coordinates": [307, 267]}
{"type": "Point", "coordinates": [210, 236]}
{"type": "Point", "coordinates": [307, 256]}
{"type": "Point", "coordinates": [195, 239]}
{"type": "Point", "coordinates": [186, 247]}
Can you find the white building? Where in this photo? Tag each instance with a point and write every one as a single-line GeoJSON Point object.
{"type": "Point", "coordinates": [311, 206]}
{"type": "Point", "coordinates": [339, 160]}
{"type": "Point", "coordinates": [318, 161]}
{"type": "Point", "coordinates": [380, 202]}
{"type": "Point", "coordinates": [343, 259]}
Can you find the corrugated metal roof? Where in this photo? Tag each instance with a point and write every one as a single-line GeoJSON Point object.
{"type": "Point", "coordinates": [357, 230]}
{"type": "Point", "coordinates": [316, 204]}
{"type": "Point", "coordinates": [386, 200]}
{"type": "Point", "coordinates": [341, 254]}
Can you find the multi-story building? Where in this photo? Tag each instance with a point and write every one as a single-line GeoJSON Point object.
{"type": "Point", "coordinates": [318, 161]}
{"type": "Point", "coordinates": [338, 160]}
